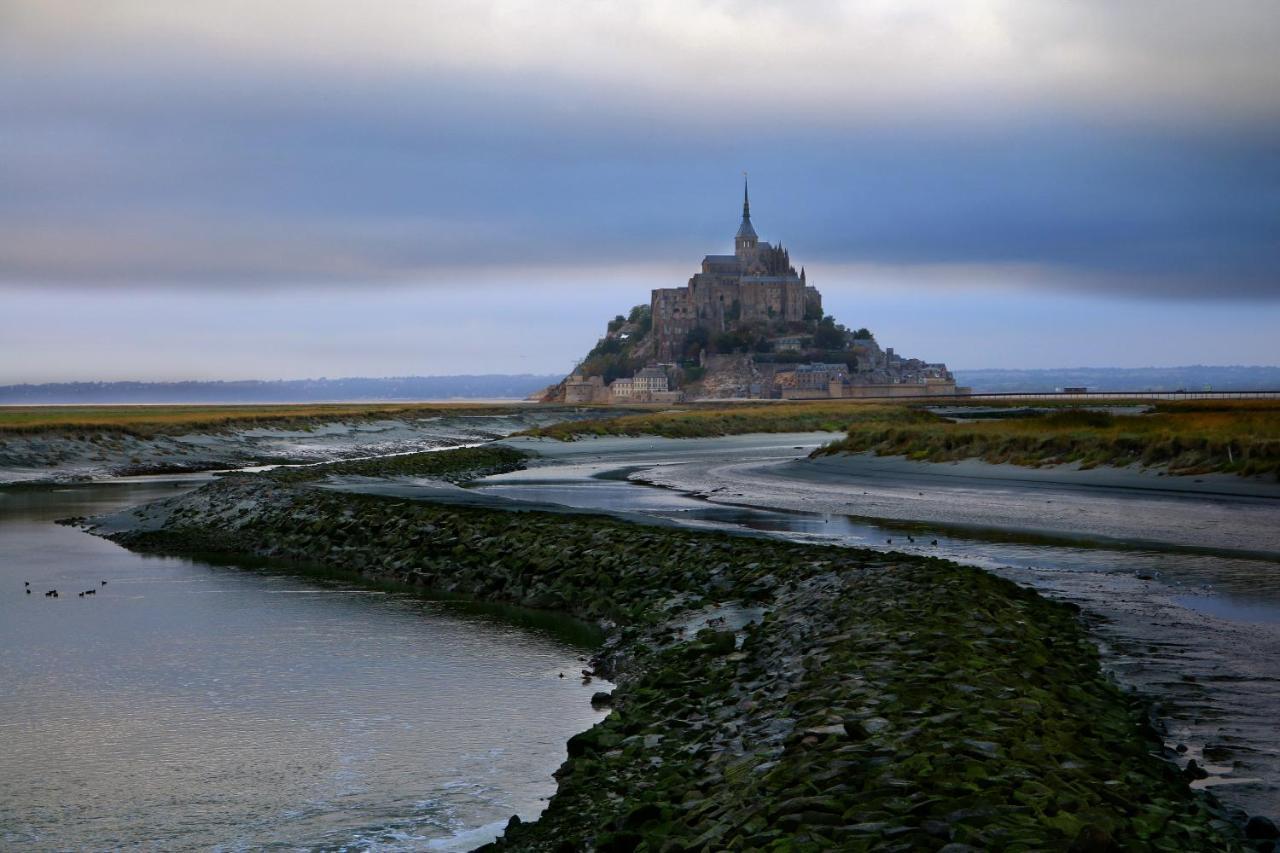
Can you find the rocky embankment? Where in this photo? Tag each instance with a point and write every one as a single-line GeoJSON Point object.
{"type": "Point", "coordinates": [769, 695]}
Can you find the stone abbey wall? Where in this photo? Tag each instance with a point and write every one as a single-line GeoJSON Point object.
{"type": "Point", "coordinates": [717, 303]}
{"type": "Point", "coordinates": [673, 319]}
{"type": "Point", "coordinates": [755, 284]}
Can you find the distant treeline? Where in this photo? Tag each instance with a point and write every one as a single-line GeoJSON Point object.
{"type": "Point", "coordinates": [1194, 377]}
{"type": "Point", "coordinates": [354, 389]}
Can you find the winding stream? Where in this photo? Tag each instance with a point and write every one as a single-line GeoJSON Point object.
{"type": "Point", "coordinates": [185, 705]}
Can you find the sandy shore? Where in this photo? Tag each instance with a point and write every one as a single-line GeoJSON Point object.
{"type": "Point", "coordinates": [59, 456]}
{"type": "Point", "coordinates": [1122, 505]}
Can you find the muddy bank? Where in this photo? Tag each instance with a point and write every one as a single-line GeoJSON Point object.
{"type": "Point", "coordinates": [76, 456]}
{"type": "Point", "coordinates": [1226, 512]}
{"type": "Point", "coordinates": [768, 693]}
{"type": "Point", "coordinates": [1179, 577]}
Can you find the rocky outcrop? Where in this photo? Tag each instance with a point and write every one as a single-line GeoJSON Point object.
{"type": "Point", "coordinates": [730, 376]}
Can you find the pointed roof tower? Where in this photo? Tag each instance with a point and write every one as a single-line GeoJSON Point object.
{"type": "Point", "coordinates": [746, 237]}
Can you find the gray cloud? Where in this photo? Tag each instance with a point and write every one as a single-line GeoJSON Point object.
{"type": "Point", "coordinates": [1120, 147]}
{"type": "Point", "coordinates": [713, 55]}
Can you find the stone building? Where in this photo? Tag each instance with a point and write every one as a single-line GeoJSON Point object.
{"type": "Point", "coordinates": [585, 389]}
{"type": "Point", "coordinates": [650, 384]}
{"type": "Point", "coordinates": [819, 376]}
{"type": "Point", "coordinates": [810, 381]}
{"type": "Point", "coordinates": [755, 283]}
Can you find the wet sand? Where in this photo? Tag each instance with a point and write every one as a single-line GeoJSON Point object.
{"type": "Point", "coordinates": [1121, 505]}
{"type": "Point", "coordinates": [68, 457]}
{"type": "Point", "coordinates": [1179, 578]}
{"type": "Point", "coordinates": [1210, 661]}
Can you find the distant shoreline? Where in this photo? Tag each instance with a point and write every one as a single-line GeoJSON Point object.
{"type": "Point", "coordinates": [415, 401]}
{"type": "Point", "coordinates": [503, 387]}
{"type": "Point", "coordinates": [385, 390]}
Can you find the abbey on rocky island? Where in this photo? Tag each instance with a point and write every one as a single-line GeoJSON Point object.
{"type": "Point", "coordinates": [746, 325]}
{"type": "Point", "coordinates": [756, 284]}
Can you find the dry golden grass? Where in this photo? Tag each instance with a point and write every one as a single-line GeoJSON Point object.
{"type": "Point", "coordinates": [1241, 436]}
{"type": "Point", "coordinates": [707, 419]}
{"type": "Point", "coordinates": [153, 420]}
{"type": "Point", "coordinates": [1197, 436]}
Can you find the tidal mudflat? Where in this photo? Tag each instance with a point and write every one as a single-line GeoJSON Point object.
{"type": "Point", "coordinates": [60, 445]}
{"type": "Point", "coordinates": [768, 691]}
{"type": "Point", "coordinates": [1179, 577]}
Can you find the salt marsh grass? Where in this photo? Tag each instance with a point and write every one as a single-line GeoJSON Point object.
{"type": "Point", "coordinates": [144, 421]}
{"type": "Point", "coordinates": [1191, 437]}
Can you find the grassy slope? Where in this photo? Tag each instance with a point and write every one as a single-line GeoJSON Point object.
{"type": "Point", "coordinates": [1241, 436]}
{"type": "Point", "coordinates": [154, 420]}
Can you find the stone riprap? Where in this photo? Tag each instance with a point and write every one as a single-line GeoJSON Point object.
{"type": "Point", "coordinates": [769, 695]}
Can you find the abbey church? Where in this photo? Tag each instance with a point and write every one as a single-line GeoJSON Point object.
{"type": "Point", "coordinates": [755, 284]}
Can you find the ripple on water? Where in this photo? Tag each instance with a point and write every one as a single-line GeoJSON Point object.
{"type": "Point", "coordinates": [187, 706]}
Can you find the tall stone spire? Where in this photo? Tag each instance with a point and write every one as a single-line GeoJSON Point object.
{"type": "Point", "coordinates": [746, 237]}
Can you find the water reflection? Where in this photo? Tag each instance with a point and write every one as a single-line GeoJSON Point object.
{"type": "Point", "coordinates": [1239, 584]}
{"type": "Point", "coordinates": [187, 705]}
{"type": "Point", "coordinates": [1195, 628]}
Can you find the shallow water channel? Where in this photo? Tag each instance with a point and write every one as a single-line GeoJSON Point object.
{"type": "Point", "coordinates": [186, 705]}
{"type": "Point", "coordinates": [1195, 629]}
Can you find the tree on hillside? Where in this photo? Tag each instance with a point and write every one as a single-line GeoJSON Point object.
{"type": "Point", "coordinates": [641, 317]}
{"type": "Point", "coordinates": [695, 342]}
{"type": "Point", "coordinates": [829, 335]}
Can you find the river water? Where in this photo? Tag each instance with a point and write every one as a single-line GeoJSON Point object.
{"type": "Point", "coordinates": [185, 705]}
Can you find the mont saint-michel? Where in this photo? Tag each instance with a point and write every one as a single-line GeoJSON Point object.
{"type": "Point", "coordinates": [746, 325]}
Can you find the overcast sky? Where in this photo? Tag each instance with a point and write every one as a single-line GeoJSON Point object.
{"type": "Point", "coordinates": [241, 189]}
